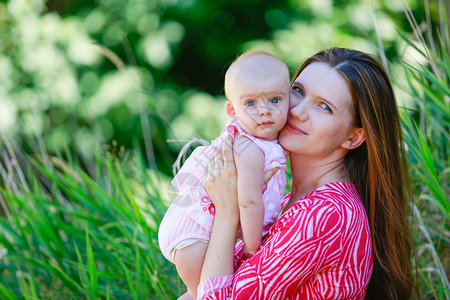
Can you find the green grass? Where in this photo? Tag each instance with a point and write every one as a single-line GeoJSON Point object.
{"type": "Point", "coordinates": [66, 235]}
{"type": "Point", "coordinates": [426, 132]}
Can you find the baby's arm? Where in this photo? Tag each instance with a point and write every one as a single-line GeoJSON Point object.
{"type": "Point", "coordinates": [249, 161]}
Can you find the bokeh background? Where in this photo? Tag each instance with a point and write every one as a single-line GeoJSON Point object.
{"type": "Point", "coordinates": [81, 74]}
{"type": "Point", "coordinates": [97, 98]}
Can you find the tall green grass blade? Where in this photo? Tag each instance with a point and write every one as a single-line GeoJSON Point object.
{"type": "Point", "coordinates": [432, 181]}
{"type": "Point", "coordinates": [436, 82]}
{"type": "Point", "coordinates": [82, 273]}
{"type": "Point", "coordinates": [23, 285]}
{"type": "Point", "coordinates": [408, 41]}
{"type": "Point", "coordinates": [91, 263]}
{"type": "Point", "coordinates": [130, 282]}
{"type": "Point", "coordinates": [108, 296]}
{"type": "Point", "coordinates": [438, 100]}
{"type": "Point", "coordinates": [32, 282]}
{"type": "Point", "coordinates": [7, 294]}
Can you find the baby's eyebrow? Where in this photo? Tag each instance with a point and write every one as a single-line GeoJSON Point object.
{"type": "Point", "coordinates": [275, 93]}
{"type": "Point", "coordinates": [248, 96]}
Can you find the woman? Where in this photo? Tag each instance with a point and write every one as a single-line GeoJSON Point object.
{"type": "Point", "coordinates": [343, 232]}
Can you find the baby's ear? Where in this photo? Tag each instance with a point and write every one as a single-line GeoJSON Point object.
{"type": "Point", "coordinates": [357, 138]}
{"type": "Point", "coordinates": [229, 109]}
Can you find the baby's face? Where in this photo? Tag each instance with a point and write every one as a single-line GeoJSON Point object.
{"type": "Point", "coordinates": [260, 103]}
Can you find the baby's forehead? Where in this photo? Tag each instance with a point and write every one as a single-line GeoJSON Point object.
{"type": "Point", "coordinates": [258, 86]}
{"type": "Point", "coordinates": [255, 68]}
{"type": "Point", "coordinates": [257, 62]}
{"type": "Point", "coordinates": [259, 70]}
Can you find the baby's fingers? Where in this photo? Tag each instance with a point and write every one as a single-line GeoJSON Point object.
{"type": "Point", "coordinates": [269, 174]}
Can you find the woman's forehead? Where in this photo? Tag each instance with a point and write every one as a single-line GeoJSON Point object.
{"type": "Point", "coordinates": [322, 81]}
{"type": "Point", "coordinates": [318, 74]}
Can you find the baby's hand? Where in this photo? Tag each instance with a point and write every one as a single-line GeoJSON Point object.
{"type": "Point", "coordinates": [268, 175]}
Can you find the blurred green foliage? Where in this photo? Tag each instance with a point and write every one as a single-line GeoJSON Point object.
{"type": "Point", "coordinates": [79, 74]}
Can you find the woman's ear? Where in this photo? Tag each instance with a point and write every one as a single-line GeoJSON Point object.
{"type": "Point", "coordinates": [354, 141]}
{"type": "Point", "coordinates": [229, 109]}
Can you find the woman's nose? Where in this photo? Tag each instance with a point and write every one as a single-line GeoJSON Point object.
{"type": "Point", "coordinates": [299, 110]}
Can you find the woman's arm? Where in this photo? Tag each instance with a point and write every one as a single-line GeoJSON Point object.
{"type": "Point", "coordinates": [249, 161]}
{"type": "Point", "coordinates": [219, 259]}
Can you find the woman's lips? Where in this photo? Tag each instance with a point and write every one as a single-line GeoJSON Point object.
{"type": "Point", "coordinates": [292, 129]}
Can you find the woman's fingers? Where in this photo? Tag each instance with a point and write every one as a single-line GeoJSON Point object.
{"type": "Point", "coordinates": [218, 159]}
{"type": "Point", "coordinates": [208, 175]}
{"type": "Point", "coordinates": [220, 179]}
{"type": "Point", "coordinates": [228, 158]}
{"type": "Point", "coordinates": [221, 160]}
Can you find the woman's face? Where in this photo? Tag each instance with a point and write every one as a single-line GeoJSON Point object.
{"type": "Point", "coordinates": [320, 114]}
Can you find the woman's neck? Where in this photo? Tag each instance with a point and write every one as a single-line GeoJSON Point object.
{"type": "Point", "coordinates": [308, 174]}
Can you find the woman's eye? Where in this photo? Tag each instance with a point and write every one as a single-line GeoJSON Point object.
{"type": "Point", "coordinates": [250, 103]}
{"type": "Point", "coordinates": [325, 107]}
{"type": "Point", "coordinates": [275, 100]}
{"type": "Point", "coordinates": [298, 90]}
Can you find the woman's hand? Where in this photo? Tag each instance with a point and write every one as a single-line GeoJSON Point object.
{"type": "Point", "coordinates": [220, 183]}
{"type": "Point", "coordinates": [220, 180]}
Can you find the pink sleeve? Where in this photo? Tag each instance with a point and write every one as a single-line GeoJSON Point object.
{"type": "Point", "coordinates": [304, 241]}
{"type": "Point", "coordinates": [215, 288]}
{"type": "Point", "coordinates": [239, 255]}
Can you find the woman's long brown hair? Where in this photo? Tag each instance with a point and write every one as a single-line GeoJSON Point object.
{"type": "Point", "coordinates": [378, 169]}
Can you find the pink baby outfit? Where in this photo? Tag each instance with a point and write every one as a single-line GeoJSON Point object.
{"type": "Point", "coordinates": [190, 217]}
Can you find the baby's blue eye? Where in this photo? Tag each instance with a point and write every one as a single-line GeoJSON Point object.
{"type": "Point", "coordinates": [275, 100]}
{"type": "Point", "coordinates": [250, 103]}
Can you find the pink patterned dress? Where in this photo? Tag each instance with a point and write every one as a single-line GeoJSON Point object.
{"type": "Point", "coordinates": [191, 215]}
{"type": "Point", "coordinates": [320, 248]}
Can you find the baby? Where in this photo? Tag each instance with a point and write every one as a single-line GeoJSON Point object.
{"type": "Point", "coordinates": [257, 88]}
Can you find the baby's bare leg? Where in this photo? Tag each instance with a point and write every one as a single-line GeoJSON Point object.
{"type": "Point", "coordinates": [189, 262]}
